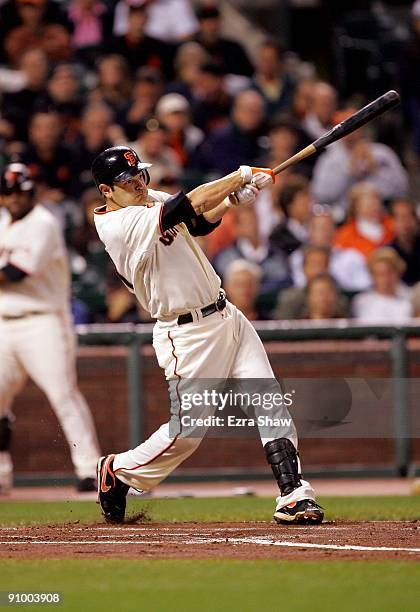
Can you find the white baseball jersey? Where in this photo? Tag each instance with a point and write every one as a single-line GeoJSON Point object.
{"type": "Point", "coordinates": [166, 270]}
{"type": "Point", "coordinates": [35, 245]}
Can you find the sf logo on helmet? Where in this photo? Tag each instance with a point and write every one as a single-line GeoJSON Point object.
{"type": "Point", "coordinates": [129, 156]}
{"type": "Point", "coordinates": [11, 177]}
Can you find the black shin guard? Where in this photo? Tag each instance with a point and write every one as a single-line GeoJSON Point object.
{"type": "Point", "coordinates": [5, 433]}
{"type": "Point", "coordinates": [283, 458]}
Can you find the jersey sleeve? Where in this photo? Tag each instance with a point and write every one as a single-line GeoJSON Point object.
{"type": "Point", "coordinates": [142, 228]}
{"type": "Point", "coordinates": [32, 256]}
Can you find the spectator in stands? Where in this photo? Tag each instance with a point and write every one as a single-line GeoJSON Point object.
{"type": "Point", "coordinates": [295, 203]}
{"type": "Point", "coordinates": [212, 104]}
{"type": "Point", "coordinates": [389, 300]}
{"type": "Point", "coordinates": [368, 226]}
{"type": "Point", "coordinates": [228, 54]}
{"type": "Point", "coordinates": [138, 48]}
{"type": "Point", "coordinates": [18, 107]}
{"type": "Point", "coordinates": [351, 160]}
{"type": "Point", "coordinates": [250, 246]}
{"type": "Point", "coordinates": [320, 117]}
{"type": "Point", "coordinates": [172, 21]}
{"type": "Point", "coordinates": [407, 238]}
{"type": "Point", "coordinates": [189, 58]}
{"type": "Point", "coordinates": [286, 137]}
{"type": "Point", "coordinates": [52, 13]}
{"type": "Point", "coordinates": [173, 111]}
{"type": "Point", "coordinates": [151, 147]}
{"type": "Point", "coordinates": [63, 96]}
{"type": "Point", "coordinates": [242, 284]}
{"type": "Point", "coordinates": [303, 98]}
{"type": "Point", "coordinates": [292, 302]}
{"type": "Point", "coordinates": [169, 20]}
{"type": "Point", "coordinates": [322, 299]}
{"type": "Point", "coordinates": [92, 26]}
{"type": "Point", "coordinates": [270, 78]}
{"type": "Point", "coordinates": [114, 83]}
{"type": "Point", "coordinates": [97, 132]}
{"type": "Point", "coordinates": [347, 266]}
{"type": "Point", "coordinates": [145, 94]}
{"type": "Point", "coordinates": [238, 143]}
{"type": "Point", "coordinates": [48, 159]}
{"type": "Point", "coordinates": [35, 32]}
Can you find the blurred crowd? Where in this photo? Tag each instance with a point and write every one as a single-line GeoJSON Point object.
{"type": "Point", "coordinates": [336, 236]}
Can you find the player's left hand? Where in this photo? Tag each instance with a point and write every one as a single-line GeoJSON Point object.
{"type": "Point", "coordinates": [260, 177]}
{"type": "Point", "coordinates": [245, 195]}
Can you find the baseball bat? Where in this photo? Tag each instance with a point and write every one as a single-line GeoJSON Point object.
{"type": "Point", "coordinates": [388, 100]}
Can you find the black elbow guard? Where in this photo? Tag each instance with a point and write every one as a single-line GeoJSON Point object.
{"type": "Point", "coordinates": [13, 273]}
{"type": "Point", "coordinates": [177, 209]}
{"type": "Point", "coordinates": [200, 226]}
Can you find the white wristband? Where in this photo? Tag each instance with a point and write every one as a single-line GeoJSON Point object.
{"type": "Point", "coordinates": [246, 174]}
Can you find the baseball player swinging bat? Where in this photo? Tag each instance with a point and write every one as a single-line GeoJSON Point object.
{"type": "Point", "coordinates": [198, 333]}
{"type": "Point", "coordinates": [374, 109]}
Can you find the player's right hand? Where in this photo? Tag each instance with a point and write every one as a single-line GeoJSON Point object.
{"type": "Point", "coordinates": [245, 195]}
{"type": "Point", "coordinates": [260, 177]}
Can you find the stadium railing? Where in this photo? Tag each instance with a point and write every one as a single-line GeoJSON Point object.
{"type": "Point", "coordinates": [136, 336]}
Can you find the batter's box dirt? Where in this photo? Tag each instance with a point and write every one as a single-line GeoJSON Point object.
{"type": "Point", "coordinates": [343, 540]}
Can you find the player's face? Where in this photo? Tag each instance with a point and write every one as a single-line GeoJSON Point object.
{"type": "Point", "coordinates": [17, 203]}
{"type": "Point", "coordinates": [131, 192]}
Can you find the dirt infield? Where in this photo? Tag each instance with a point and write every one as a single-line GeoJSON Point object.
{"type": "Point", "coordinates": [342, 540]}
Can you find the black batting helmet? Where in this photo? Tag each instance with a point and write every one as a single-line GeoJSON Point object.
{"type": "Point", "coordinates": [118, 164]}
{"type": "Point", "coordinates": [15, 177]}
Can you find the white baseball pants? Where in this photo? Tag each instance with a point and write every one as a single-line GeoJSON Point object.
{"type": "Point", "coordinates": [43, 348]}
{"type": "Point", "coordinates": [222, 345]}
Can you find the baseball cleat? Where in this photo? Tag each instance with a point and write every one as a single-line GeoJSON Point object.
{"type": "Point", "coordinates": [112, 492]}
{"type": "Point", "coordinates": [304, 512]}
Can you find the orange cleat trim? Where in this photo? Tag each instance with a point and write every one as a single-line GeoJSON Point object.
{"type": "Point", "coordinates": [106, 468]}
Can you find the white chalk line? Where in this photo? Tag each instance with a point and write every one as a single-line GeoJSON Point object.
{"type": "Point", "coordinates": [206, 541]}
{"type": "Point", "coordinates": [262, 542]}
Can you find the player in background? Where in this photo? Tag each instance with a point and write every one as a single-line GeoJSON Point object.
{"type": "Point", "coordinates": [198, 334]}
{"type": "Point", "coordinates": [36, 334]}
